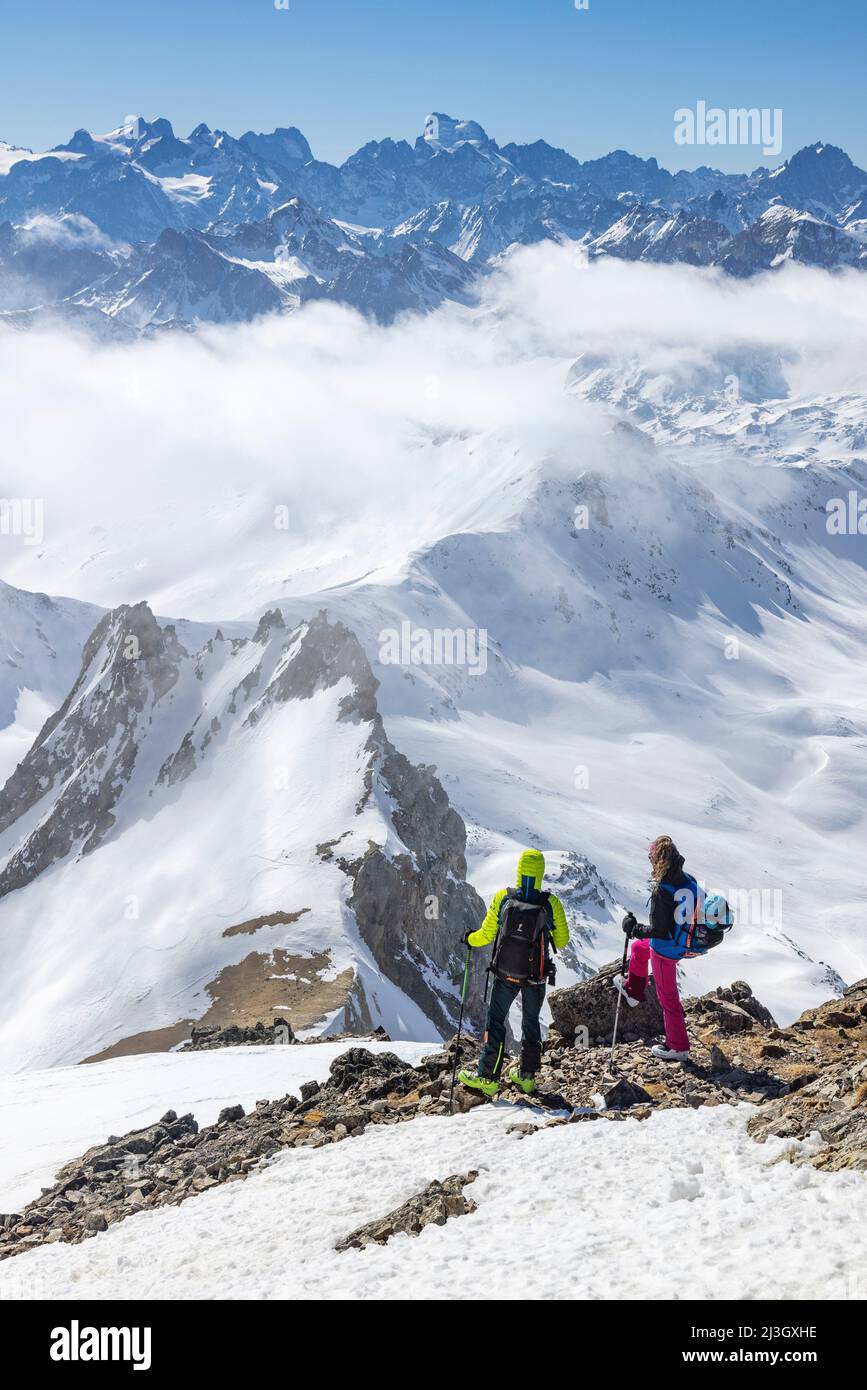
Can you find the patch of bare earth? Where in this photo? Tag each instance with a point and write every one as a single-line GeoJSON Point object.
{"type": "Point", "coordinates": [273, 919]}
{"type": "Point", "coordinates": [262, 986]}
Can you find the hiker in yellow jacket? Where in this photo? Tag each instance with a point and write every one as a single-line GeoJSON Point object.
{"type": "Point", "coordinates": [524, 922]}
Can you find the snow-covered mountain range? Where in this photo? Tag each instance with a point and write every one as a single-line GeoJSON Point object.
{"type": "Point", "coordinates": [140, 229]}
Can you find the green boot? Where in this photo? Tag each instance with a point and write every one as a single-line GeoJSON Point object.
{"type": "Point", "coordinates": [526, 1083]}
{"type": "Point", "coordinates": [485, 1084]}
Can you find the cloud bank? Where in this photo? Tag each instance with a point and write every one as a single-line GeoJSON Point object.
{"type": "Point", "coordinates": [208, 471]}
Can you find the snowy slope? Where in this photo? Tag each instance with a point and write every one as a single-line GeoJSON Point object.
{"type": "Point", "coordinates": [611, 709]}
{"type": "Point", "coordinates": [590, 746]}
{"type": "Point", "coordinates": [57, 1114]}
{"type": "Point", "coordinates": [40, 647]}
{"type": "Point", "coordinates": [729, 1205]}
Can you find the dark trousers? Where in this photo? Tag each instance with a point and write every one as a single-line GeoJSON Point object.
{"type": "Point", "coordinates": [503, 996]}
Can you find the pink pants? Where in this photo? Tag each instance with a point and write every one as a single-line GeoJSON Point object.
{"type": "Point", "coordinates": [665, 979]}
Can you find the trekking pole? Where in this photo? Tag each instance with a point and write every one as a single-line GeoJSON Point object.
{"type": "Point", "coordinates": [619, 999]}
{"type": "Point", "coordinates": [460, 1022]}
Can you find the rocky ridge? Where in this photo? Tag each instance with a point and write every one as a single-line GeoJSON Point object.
{"type": "Point", "coordinates": [173, 1159]}
{"type": "Point", "coordinates": [210, 1037]}
{"type": "Point", "coordinates": [145, 724]}
{"type": "Point", "coordinates": [808, 1078]}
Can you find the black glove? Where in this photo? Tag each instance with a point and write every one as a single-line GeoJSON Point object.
{"type": "Point", "coordinates": [466, 936]}
{"type": "Point", "coordinates": [629, 923]}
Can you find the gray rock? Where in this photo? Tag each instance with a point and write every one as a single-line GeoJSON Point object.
{"type": "Point", "coordinates": [592, 1004]}
{"type": "Point", "coordinates": [435, 1205]}
{"type": "Point", "coordinates": [624, 1094]}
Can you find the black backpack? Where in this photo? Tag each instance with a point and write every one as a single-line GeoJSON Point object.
{"type": "Point", "coordinates": [521, 949]}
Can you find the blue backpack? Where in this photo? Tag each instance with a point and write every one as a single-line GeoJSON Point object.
{"type": "Point", "coordinates": [701, 921]}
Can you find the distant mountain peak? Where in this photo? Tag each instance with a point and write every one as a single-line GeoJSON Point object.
{"type": "Point", "coordinates": [131, 128]}
{"type": "Point", "coordinates": [285, 145]}
{"type": "Point", "coordinates": [445, 133]}
{"type": "Point", "coordinates": [82, 142]}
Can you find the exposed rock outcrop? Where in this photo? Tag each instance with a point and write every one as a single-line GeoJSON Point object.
{"type": "Point", "coordinates": [829, 1097]}
{"type": "Point", "coordinates": [205, 1038]}
{"type": "Point", "coordinates": [278, 1034]}
{"type": "Point", "coordinates": [83, 756]}
{"type": "Point", "coordinates": [431, 1207]}
{"type": "Point", "coordinates": [834, 1107]}
{"type": "Point", "coordinates": [729, 1010]}
{"type": "Point", "coordinates": [809, 1077]}
{"type": "Point", "coordinates": [413, 907]}
{"type": "Point", "coordinates": [585, 1011]}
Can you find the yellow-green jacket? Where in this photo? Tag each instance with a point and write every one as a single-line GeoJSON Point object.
{"type": "Point", "coordinates": [531, 870]}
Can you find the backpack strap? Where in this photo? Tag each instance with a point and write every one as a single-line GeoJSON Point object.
{"type": "Point", "coordinates": [693, 924]}
{"type": "Point", "coordinates": [492, 963]}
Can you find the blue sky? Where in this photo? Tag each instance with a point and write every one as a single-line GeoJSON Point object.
{"type": "Point", "coordinates": [346, 71]}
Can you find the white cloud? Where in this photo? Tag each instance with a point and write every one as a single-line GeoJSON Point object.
{"type": "Point", "coordinates": [68, 229]}
{"type": "Point", "coordinates": [161, 463]}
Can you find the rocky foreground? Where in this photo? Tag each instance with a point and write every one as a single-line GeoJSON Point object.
{"type": "Point", "coordinates": [808, 1078]}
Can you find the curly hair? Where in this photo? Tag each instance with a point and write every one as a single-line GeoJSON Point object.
{"type": "Point", "coordinates": [663, 854]}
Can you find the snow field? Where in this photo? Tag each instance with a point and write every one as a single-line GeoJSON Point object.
{"type": "Point", "coordinates": [50, 1117]}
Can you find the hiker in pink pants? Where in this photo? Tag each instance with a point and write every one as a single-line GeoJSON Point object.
{"type": "Point", "coordinates": [661, 945]}
{"type": "Point", "coordinates": [665, 979]}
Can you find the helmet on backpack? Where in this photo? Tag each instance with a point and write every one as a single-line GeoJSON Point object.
{"type": "Point", "coordinates": [717, 912]}
{"type": "Point", "coordinates": [701, 920]}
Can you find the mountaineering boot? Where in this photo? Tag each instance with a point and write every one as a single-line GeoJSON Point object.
{"type": "Point", "coordinates": [668, 1054]}
{"type": "Point", "coordinates": [486, 1084]}
{"type": "Point", "coordinates": [526, 1083]}
{"type": "Point", "coordinates": [620, 985]}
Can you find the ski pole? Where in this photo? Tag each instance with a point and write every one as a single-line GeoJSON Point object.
{"type": "Point", "coordinates": [460, 1023]}
{"type": "Point", "coordinates": [619, 998]}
